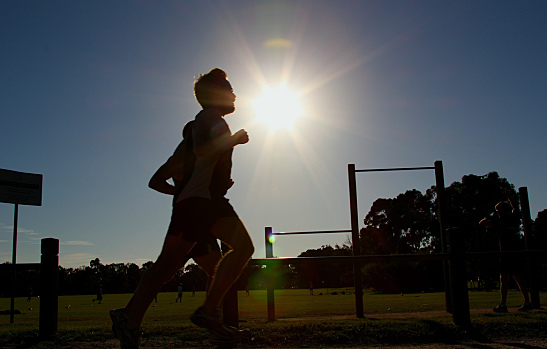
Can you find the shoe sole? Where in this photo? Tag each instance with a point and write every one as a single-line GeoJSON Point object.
{"type": "Point", "coordinates": [119, 334]}
{"type": "Point", "coordinates": [232, 340]}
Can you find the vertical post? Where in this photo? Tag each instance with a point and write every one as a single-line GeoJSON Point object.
{"type": "Point", "coordinates": [49, 276]}
{"type": "Point", "coordinates": [357, 279]}
{"type": "Point", "coordinates": [458, 280]}
{"type": "Point", "coordinates": [268, 240]}
{"type": "Point", "coordinates": [230, 305]}
{"type": "Point", "coordinates": [528, 241]}
{"type": "Point", "coordinates": [14, 266]}
{"type": "Point", "coordinates": [441, 212]}
{"type": "Point", "coordinates": [269, 276]}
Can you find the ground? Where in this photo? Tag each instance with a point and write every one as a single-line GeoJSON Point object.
{"type": "Point", "coordinates": [173, 344]}
{"type": "Point", "coordinates": [509, 338]}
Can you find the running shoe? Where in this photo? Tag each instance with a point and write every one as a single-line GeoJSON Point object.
{"type": "Point", "coordinates": [220, 333]}
{"type": "Point", "coordinates": [129, 339]}
{"type": "Point", "coordinates": [228, 334]}
{"type": "Point", "coordinates": [501, 308]}
{"type": "Point", "coordinates": [526, 307]}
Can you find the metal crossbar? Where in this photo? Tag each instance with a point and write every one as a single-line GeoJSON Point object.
{"type": "Point", "coordinates": [311, 232]}
{"type": "Point", "coordinates": [395, 257]}
{"type": "Point", "coordinates": [331, 259]}
{"type": "Point", "coordinates": [397, 169]}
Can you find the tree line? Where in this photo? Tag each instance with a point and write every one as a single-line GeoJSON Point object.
{"type": "Point", "coordinates": [406, 224]}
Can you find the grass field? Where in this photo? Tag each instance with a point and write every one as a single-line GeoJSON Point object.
{"type": "Point", "coordinates": [297, 312]}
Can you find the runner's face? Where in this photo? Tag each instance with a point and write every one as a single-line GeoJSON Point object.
{"type": "Point", "coordinates": [226, 98]}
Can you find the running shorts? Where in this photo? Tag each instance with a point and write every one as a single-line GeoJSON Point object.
{"type": "Point", "coordinates": [203, 248]}
{"type": "Point", "coordinates": [193, 218]}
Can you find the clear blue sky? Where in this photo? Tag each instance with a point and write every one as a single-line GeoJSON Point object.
{"type": "Point", "coordinates": [94, 94]}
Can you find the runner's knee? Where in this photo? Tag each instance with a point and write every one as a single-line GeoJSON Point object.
{"type": "Point", "coordinates": [247, 248]}
{"type": "Point", "coordinates": [242, 245]}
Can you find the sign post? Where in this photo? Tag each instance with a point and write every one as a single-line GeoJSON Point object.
{"type": "Point", "coordinates": [19, 188]}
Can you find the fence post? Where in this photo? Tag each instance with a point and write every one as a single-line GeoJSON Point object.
{"type": "Point", "coordinates": [49, 277]}
{"type": "Point", "coordinates": [441, 212]}
{"type": "Point", "coordinates": [269, 276]}
{"type": "Point", "coordinates": [528, 241]}
{"type": "Point", "coordinates": [357, 278]}
{"type": "Point", "coordinates": [458, 280]}
{"type": "Point", "coordinates": [14, 266]}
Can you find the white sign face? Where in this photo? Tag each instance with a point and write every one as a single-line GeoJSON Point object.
{"type": "Point", "coordinates": [20, 188]}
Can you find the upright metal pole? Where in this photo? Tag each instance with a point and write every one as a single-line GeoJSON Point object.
{"type": "Point", "coordinates": [14, 266]}
{"type": "Point", "coordinates": [528, 241]}
{"type": "Point", "coordinates": [268, 242]}
{"type": "Point", "coordinates": [441, 212]}
{"type": "Point", "coordinates": [357, 279]}
{"type": "Point", "coordinates": [270, 277]}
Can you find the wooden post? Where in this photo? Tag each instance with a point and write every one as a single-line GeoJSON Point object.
{"type": "Point", "coordinates": [49, 277]}
{"type": "Point", "coordinates": [528, 241]}
{"type": "Point", "coordinates": [357, 278]}
{"type": "Point", "coordinates": [269, 276]}
{"type": "Point", "coordinates": [441, 212]}
{"type": "Point", "coordinates": [458, 280]}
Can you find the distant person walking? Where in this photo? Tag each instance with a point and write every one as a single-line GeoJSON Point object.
{"type": "Point", "coordinates": [29, 298]}
{"type": "Point", "coordinates": [179, 291]}
{"type": "Point", "coordinates": [506, 224]}
{"type": "Point", "coordinates": [99, 296]}
{"type": "Point", "coordinates": [200, 211]}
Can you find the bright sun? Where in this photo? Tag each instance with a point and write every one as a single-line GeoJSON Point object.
{"type": "Point", "coordinates": [278, 107]}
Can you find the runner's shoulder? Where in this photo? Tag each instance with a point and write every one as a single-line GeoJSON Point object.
{"type": "Point", "coordinates": [212, 121]}
{"type": "Point", "coordinates": [209, 114]}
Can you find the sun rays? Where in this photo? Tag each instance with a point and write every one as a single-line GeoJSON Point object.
{"type": "Point", "coordinates": [278, 107]}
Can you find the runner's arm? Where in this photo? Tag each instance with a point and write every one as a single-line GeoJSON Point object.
{"type": "Point", "coordinates": [212, 136]}
{"type": "Point", "coordinates": [159, 182]}
{"type": "Point", "coordinates": [172, 168]}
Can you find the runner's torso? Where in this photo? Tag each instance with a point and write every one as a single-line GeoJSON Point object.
{"type": "Point", "coordinates": [211, 174]}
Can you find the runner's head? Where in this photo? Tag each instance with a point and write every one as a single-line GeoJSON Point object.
{"type": "Point", "coordinates": [212, 90]}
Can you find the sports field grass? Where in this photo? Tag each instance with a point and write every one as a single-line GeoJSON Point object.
{"type": "Point", "coordinates": [297, 312]}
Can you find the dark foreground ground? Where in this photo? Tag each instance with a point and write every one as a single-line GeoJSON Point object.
{"type": "Point", "coordinates": [171, 343]}
{"type": "Point", "coordinates": [429, 330]}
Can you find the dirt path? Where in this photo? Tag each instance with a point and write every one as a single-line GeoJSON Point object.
{"type": "Point", "coordinates": [173, 343]}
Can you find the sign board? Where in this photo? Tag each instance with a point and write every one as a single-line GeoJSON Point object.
{"type": "Point", "coordinates": [20, 188]}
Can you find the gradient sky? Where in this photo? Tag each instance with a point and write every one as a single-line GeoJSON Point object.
{"type": "Point", "coordinates": [94, 94]}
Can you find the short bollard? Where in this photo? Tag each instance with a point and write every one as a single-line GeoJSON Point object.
{"type": "Point", "coordinates": [49, 276]}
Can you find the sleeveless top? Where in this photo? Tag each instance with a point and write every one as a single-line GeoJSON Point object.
{"type": "Point", "coordinates": [210, 176]}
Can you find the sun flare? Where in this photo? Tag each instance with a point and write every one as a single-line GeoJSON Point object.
{"type": "Point", "coordinates": [278, 107]}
